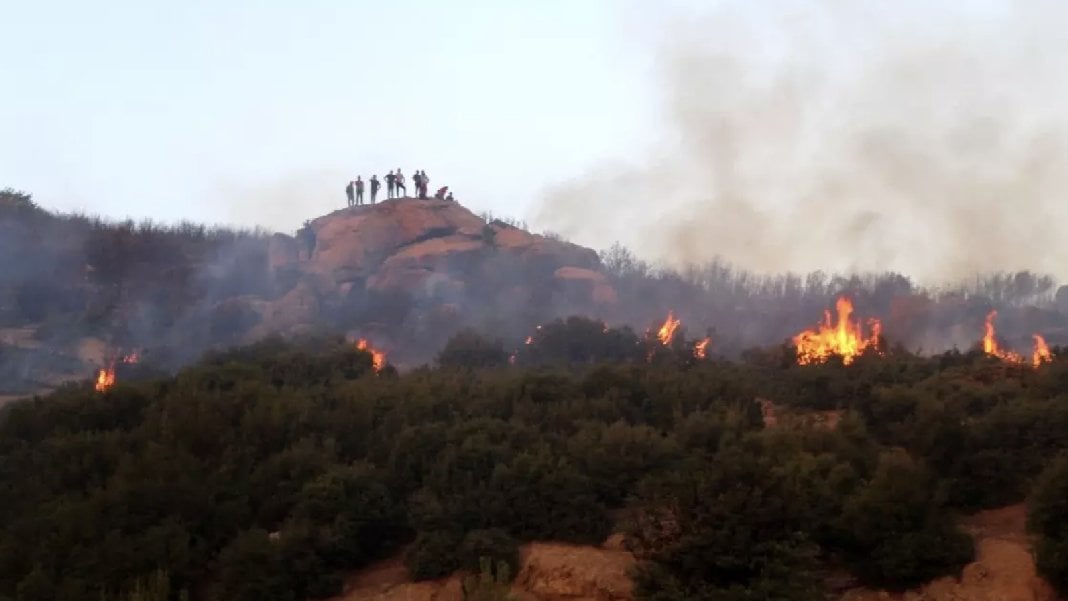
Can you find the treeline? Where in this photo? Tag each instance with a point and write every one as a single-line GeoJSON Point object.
{"type": "Point", "coordinates": [269, 471]}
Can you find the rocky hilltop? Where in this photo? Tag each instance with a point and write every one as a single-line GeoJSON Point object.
{"type": "Point", "coordinates": [75, 292]}
{"type": "Point", "coordinates": [423, 261]}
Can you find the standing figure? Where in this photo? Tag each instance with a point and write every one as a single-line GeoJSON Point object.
{"type": "Point", "coordinates": [359, 190]}
{"type": "Point", "coordinates": [348, 193]}
{"type": "Point", "coordinates": [400, 183]}
{"type": "Point", "coordinates": [375, 185]}
{"type": "Point", "coordinates": [391, 185]}
{"type": "Point", "coordinates": [424, 182]}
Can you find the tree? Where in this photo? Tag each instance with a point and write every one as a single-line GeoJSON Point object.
{"type": "Point", "coordinates": [896, 532]}
{"type": "Point", "coordinates": [1047, 509]}
{"type": "Point", "coordinates": [469, 349]}
{"type": "Point", "coordinates": [488, 584]}
{"type": "Point", "coordinates": [483, 549]}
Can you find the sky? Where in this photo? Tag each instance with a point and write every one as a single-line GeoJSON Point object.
{"type": "Point", "coordinates": [840, 135]}
{"type": "Point", "coordinates": [256, 112]}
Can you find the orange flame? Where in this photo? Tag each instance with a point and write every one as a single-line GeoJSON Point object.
{"type": "Point", "coordinates": [667, 331]}
{"type": "Point", "coordinates": [700, 348]}
{"type": "Point", "coordinates": [105, 376]}
{"type": "Point", "coordinates": [844, 338]}
{"type": "Point", "coordinates": [378, 358]}
{"type": "Point", "coordinates": [1041, 353]}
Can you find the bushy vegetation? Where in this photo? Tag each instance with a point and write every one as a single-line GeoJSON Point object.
{"type": "Point", "coordinates": [1047, 521]}
{"type": "Point", "coordinates": [269, 471]}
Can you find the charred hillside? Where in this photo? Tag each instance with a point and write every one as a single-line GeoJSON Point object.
{"type": "Point", "coordinates": [76, 292]}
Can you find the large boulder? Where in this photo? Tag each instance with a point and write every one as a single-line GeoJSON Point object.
{"type": "Point", "coordinates": [351, 243]}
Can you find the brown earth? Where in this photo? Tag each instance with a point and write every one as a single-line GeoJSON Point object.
{"type": "Point", "coordinates": [548, 572]}
{"type": "Point", "coordinates": [1004, 569]}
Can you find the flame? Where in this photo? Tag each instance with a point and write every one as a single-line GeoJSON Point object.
{"type": "Point", "coordinates": [700, 348]}
{"type": "Point", "coordinates": [378, 358]}
{"type": "Point", "coordinates": [667, 331]}
{"type": "Point", "coordinates": [105, 376]}
{"type": "Point", "coordinates": [1041, 353]}
{"type": "Point", "coordinates": [844, 338]}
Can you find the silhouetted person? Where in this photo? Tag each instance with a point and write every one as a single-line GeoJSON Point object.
{"type": "Point", "coordinates": [450, 198]}
{"type": "Point", "coordinates": [424, 183]}
{"type": "Point", "coordinates": [348, 192]}
{"type": "Point", "coordinates": [359, 190]}
{"type": "Point", "coordinates": [400, 183]}
{"type": "Point", "coordinates": [391, 185]}
{"type": "Point", "coordinates": [375, 185]}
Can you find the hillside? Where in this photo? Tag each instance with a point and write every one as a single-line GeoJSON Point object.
{"type": "Point", "coordinates": [271, 472]}
{"type": "Point", "coordinates": [76, 293]}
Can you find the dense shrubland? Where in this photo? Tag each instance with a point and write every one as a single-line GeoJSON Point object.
{"type": "Point", "coordinates": [269, 471]}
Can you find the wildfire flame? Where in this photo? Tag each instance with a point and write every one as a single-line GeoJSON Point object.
{"type": "Point", "coordinates": [844, 338]}
{"type": "Point", "coordinates": [700, 348]}
{"type": "Point", "coordinates": [1041, 353]}
{"type": "Point", "coordinates": [378, 358]}
{"type": "Point", "coordinates": [105, 376]}
{"type": "Point", "coordinates": [667, 331]}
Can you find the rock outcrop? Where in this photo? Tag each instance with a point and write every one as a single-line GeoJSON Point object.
{"type": "Point", "coordinates": [436, 258]}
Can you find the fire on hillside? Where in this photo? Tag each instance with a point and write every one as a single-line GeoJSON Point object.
{"type": "Point", "coordinates": [378, 358]}
{"type": "Point", "coordinates": [1039, 354]}
{"type": "Point", "coordinates": [844, 338]}
{"type": "Point", "coordinates": [105, 376]}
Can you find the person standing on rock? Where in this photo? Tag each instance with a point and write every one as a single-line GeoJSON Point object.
{"type": "Point", "coordinates": [348, 193]}
{"type": "Point", "coordinates": [375, 185]}
{"type": "Point", "coordinates": [424, 183]}
{"type": "Point", "coordinates": [400, 183]}
{"type": "Point", "coordinates": [391, 185]}
{"type": "Point", "coordinates": [359, 190]}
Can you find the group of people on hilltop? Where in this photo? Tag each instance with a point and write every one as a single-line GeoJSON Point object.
{"type": "Point", "coordinates": [395, 186]}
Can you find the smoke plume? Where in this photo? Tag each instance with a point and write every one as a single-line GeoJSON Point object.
{"type": "Point", "coordinates": [847, 137]}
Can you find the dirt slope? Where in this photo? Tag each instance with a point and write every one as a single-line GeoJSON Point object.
{"type": "Point", "coordinates": [548, 572]}
{"type": "Point", "coordinates": [1004, 569]}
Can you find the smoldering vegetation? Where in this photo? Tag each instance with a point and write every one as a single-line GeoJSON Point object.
{"type": "Point", "coordinates": [847, 137]}
{"type": "Point", "coordinates": [77, 292]}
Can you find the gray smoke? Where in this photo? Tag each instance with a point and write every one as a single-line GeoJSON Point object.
{"type": "Point", "coordinates": [844, 137]}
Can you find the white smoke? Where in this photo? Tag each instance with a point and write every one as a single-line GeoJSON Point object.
{"type": "Point", "coordinates": [847, 137]}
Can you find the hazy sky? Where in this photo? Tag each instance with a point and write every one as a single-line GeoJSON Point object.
{"type": "Point", "coordinates": [928, 138]}
{"type": "Point", "coordinates": [256, 112]}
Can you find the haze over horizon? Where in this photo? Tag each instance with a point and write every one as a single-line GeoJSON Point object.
{"type": "Point", "coordinates": [794, 135]}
